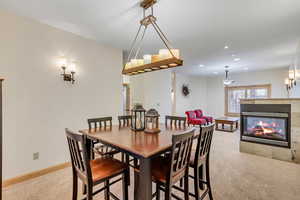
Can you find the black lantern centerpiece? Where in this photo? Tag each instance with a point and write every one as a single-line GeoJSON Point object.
{"type": "Point", "coordinates": [138, 118]}
{"type": "Point", "coordinates": [152, 121]}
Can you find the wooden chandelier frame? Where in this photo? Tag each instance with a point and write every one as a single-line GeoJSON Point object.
{"type": "Point", "coordinates": [158, 65]}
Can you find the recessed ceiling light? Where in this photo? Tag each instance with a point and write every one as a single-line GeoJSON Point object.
{"type": "Point", "coordinates": [216, 72]}
{"type": "Point", "coordinates": [237, 59]}
{"type": "Point", "coordinates": [233, 55]}
{"type": "Point", "coordinates": [201, 65]}
{"type": "Point", "coordinates": [226, 47]}
{"type": "Point", "coordinates": [246, 68]}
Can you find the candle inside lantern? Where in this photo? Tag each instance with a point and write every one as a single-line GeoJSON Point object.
{"type": "Point", "coordinates": [147, 59]}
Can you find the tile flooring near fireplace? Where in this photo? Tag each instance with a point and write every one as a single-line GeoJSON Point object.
{"type": "Point", "coordinates": [271, 128]}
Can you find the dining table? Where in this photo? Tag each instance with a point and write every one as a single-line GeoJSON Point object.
{"type": "Point", "coordinates": [138, 144]}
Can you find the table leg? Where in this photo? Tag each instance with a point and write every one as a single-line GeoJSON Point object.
{"type": "Point", "coordinates": [89, 147]}
{"type": "Point", "coordinates": [237, 125]}
{"type": "Point", "coordinates": [223, 126]}
{"type": "Point", "coordinates": [231, 127]}
{"type": "Point", "coordinates": [145, 183]}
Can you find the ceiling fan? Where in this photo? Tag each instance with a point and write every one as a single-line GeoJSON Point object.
{"type": "Point", "coordinates": [227, 81]}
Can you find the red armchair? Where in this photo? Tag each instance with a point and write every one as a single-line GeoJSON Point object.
{"type": "Point", "coordinates": [199, 114]}
{"type": "Point", "coordinates": [192, 118]}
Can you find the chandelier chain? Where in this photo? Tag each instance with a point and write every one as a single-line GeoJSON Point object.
{"type": "Point", "coordinates": [140, 43]}
{"type": "Point", "coordinates": [162, 37]}
{"type": "Point", "coordinates": [134, 42]}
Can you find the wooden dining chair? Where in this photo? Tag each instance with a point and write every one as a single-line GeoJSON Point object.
{"type": "Point", "coordinates": [167, 171]}
{"type": "Point", "coordinates": [99, 148]}
{"type": "Point", "coordinates": [124, 120]}
{"type": "Point", "coordinates": [175, 121]}
{"type": "Point", "coordinates": [199, 162]}
{"type": "Point", "coordinates": [94, 172]}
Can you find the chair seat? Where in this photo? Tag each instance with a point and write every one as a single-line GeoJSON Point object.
{"type": "Point", "coordinates": [105, 167]}
{"type": "Point", "coordinates": [159, 169]}
{"type": "Point", "coordinates": [198, 121]}
{"type": "Point", "coordinates": [192, 158]}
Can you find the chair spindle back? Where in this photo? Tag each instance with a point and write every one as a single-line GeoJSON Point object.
{"type": "Point", "coordinates": [180, 154]}
{"type": "Point", "coordinates": [204, 143]}
{"type": "Point", "coordinates": [78, 152]}
{"type": "Point", "coordinates": [124, 120]}
{"type": "Point", "coordinates": [175, 121]}
{"type": "Point", "coordinates": [100, 122]}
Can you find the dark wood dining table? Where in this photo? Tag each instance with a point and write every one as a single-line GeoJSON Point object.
{"type": "Point", "coordinates": [140, 145]}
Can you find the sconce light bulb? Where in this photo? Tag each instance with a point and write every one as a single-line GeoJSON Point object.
{"type": "Point", "coordinates": [62, 62]}
{"type": "Point", "coordinates": [72, 67]}
{"type": "Point", "coordinates": [286, 81]}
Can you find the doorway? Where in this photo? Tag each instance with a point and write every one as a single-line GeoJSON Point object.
{"type": "Point", "coordinates": [126, 99]}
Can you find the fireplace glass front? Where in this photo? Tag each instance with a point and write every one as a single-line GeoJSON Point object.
{"type": "Point", "coordinates": [265, 127]}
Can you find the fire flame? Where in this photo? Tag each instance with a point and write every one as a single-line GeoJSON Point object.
{"type": "Point", "coordinates": [265, 131]}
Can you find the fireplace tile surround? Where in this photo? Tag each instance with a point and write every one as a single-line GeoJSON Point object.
{"type": "Point", "coordinates": [291, 154]}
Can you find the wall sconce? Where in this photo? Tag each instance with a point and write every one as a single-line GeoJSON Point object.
{"type": "Point", "coordinates": [290, 83]}
{"type": "Point", "coordinates": [70, 77]}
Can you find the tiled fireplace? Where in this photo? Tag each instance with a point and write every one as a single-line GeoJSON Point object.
{"type": "Point", "coordinates": [271, 128]}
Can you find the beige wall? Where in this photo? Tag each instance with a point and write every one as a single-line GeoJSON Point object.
{"type": "Point", "coordinates": [197, 97]}
{"type": "Point", "coordinates": [207, 93]}
{"type": "Point", "coordinates": [154, 91]}
{"type": "Point", "coordinates": [215, 87]}
{"type": "Point", "coordinates": [38, 105]}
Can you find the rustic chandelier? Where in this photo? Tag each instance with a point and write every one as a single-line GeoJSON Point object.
{"type": "Point", "coordinates": [167, 58]}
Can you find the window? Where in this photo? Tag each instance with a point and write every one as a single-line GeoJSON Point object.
{"type": "Point", "coordinates": [235, 93]}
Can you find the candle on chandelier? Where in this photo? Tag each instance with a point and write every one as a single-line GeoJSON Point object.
{"type": "Point", "coordinates": [140, 62]}
{"type": "Point", "coordinates": [147, 59]}
{"type": "Point", "coordinates": [164, 53]}
{"type": "Point", "coordinates": [128, 65]}
{"type": "Point", "coordinates": [134, 62]}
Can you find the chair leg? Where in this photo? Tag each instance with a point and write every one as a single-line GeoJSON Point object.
{"type": "Point", "coordinates": [196, 182]}
{"type": "Point", "coordinates": [136, 184]}
{"type": "Point", "coordinates": [168, 193]}
{"type": "Point", "coordinates": [75, 186]}
{"type": "Point", "coordinates": [89, 192]}
{"type": "Point", "coordinates": [157, 192]}
{"type": "Point", "coordinates": [128, 168]}
{"type": "Point", "coordinates": [208, 180]}
{"type": "Point", "coordinates": [106, 191]}
{"type": "Point", "coordinates": [186, 186]}
{"type": "Point", "coordinates": [125, 186]}
{"type": "Point", "coordinates": [84, 190]}
{"type": "Point", "coordinates": [181, 183]}
{"type": "Point", "coordinates": [201, 185]}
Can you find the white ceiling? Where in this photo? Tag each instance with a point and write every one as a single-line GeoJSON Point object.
{"type": "Point", "coordinates": [262, 33]}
